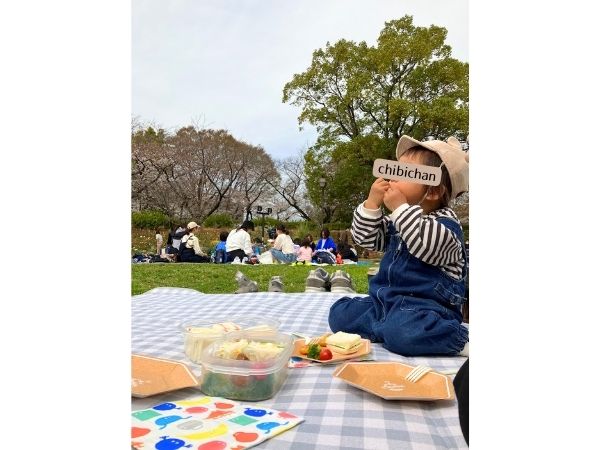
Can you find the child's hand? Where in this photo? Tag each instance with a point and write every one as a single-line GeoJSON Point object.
{"type": "Point", "coordinates": [393, 198]}
{"type": "Point", "coordinates": [378, 189]}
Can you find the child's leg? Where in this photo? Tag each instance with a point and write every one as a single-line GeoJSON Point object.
{"type": "Point", "coordinates": [422, 332]}
{"type": "Point", "coordinates": [354, 315]}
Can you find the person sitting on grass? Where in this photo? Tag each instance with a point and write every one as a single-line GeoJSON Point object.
{"type": "Point", "coordinates": [304, 253]}
{"type": "Point", "coordinates": [312, 242]}
{"type": "Point", "coordinates": [238, 242]}
{"type": "Point", "coordinates": [344, 249]}
{"type": "Point", "coordinates": [325, 249]}
{"type": "Point", "coordinates": [221, 248]}
{"type": "Point", "coordinates": [283, 247]}
{"type": "Point", "coordinates": [174, 239]}
{"type": "Point", "coordinates": [190, 250]}
{"type": "Point", "coordinates": [414, 302]}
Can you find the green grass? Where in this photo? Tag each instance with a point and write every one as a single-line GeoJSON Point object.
{"type": "Point", "coordinates": [219, 278]}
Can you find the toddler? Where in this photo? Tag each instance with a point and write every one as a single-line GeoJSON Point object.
{"type": "Point", "coordinates": [304, 253]}
{"type": "Point", "coordinates": [159, 241]}
{"type": "Point", "coordinates": [220, 251]}
{"type": "Point", "coordinates": [414, 302]}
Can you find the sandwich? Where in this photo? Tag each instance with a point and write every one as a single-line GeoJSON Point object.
{"type": "Point", "coordinates": [344, 343]}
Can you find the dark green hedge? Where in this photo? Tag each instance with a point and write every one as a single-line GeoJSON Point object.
{"type": "Point", "coordinates": [149, 219]}
{"type": "Point", "coordinates": [218, 221]}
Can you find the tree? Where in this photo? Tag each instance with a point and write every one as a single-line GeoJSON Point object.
{"type": "Point", "coordinates": [196, 172]}
{"type": "Point", "coordinates": [362, 99]}
{"type": "Point", "coordinates": [255, 180]}
{"type": "Point", "coordinates": [147, 164]}
{"type": "Point", "coordinates": [291, 186]}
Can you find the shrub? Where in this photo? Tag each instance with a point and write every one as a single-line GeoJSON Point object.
{"type": "Point", "coordinates": [149, 219]}
{"type": "Point", "coordinates": [338, 225]}
{"type": "Point", "coordinates": [218, 221]}
{"type": "Point", "coordinates": [304, 228]}
{"type": "Point", "coordinates": [269, 221]}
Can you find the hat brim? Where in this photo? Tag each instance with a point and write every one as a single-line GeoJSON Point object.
{"type": "Point", "coordinates": [406, 143]}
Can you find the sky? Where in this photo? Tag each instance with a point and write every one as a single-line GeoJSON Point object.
{"type": "Point", "coordinates": [223, 64]}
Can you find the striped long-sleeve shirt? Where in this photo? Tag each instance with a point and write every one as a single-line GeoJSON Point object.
{"type": "Point", "coordinates": [425, 237]}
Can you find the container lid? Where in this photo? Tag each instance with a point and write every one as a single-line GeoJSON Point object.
{"type": "Point", "coordinates": [214, 363]}
{"type": "Point", "coordinates": [229, 324]}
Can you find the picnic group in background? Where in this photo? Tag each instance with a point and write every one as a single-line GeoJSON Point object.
{"type": "Point", "coordinates": [414, 302]}
{"type": "Point", "coordinates": [236, 247]}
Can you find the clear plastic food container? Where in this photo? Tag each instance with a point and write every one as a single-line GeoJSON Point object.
{"type": "Point", "coordinates": [200, 333]}
{"type": "Point", "coordinates": [240, 379]}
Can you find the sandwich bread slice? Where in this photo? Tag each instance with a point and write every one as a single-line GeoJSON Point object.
{"type": "Point", "coordinates": [344, 343]}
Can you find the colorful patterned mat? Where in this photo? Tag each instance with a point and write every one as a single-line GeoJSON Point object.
{"type": "Point", "coordinates": [206, 423]}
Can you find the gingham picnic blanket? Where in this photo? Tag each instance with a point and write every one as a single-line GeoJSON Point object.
{"type": "Point", "coordinates": [337, 415]}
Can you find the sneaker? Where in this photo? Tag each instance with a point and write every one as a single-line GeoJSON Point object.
{"type": "Point", "coordinates": [245, 284]}
{"type": "Point", "coordinates": [241, 278]}
{"type": "Point", "coordinates": [372, 272]}
{"type": "Point", "coordinates": [275, 285]}
{"type": "Point", "coordinates": [342, 283]}
{"type": "Point", "coordinates": [246, 288]}
{"type": "Point", "coordinates": [317, 281]}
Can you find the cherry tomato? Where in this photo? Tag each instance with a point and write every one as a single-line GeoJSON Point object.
{"type": "Point", "coordinates": [260, 365]}
{"type": "Point", "coordinates": [240, 380]}
{"type": "Point", "coordinates": [325, 354]}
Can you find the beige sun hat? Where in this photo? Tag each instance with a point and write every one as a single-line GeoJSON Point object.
{"type": "Point", "coordinates": [192, 225]}
{"type": "Point", "coordinates": [451, 153]}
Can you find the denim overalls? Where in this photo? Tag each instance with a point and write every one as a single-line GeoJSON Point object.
{"type": "Point", "coordinates": [413, 308]}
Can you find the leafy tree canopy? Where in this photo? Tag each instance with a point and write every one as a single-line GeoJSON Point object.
{"type": "Point", "coordinates": [363, 98]}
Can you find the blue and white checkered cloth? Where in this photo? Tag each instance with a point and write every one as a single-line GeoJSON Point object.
{"type": "Point", "coordinates": [337, 415]}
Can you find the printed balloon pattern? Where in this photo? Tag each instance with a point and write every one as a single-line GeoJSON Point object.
{"type": "Point", "coordinates": [240, 436]}
{"type": "Point", "coordinates": [255, 412]}
{"type": "Point", "coordinates": [164, 421]}
{"type": "Point", "coordinates": [196, 410]}
{"type": "Point", "coordinates": [213, 445]}
{"type": "Point", "coordinates": [165, 406]}
{"type": "Point", "coordinates": [268, 426]}
{"type": "Point", "coordinates": [224, 405]}
{"type": "Point", "coordinates": [137, 432]}
{"type": "Point", "coordinates": [170, 444]}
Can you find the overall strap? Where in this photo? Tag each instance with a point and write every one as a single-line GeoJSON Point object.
{"type": "Point", "coordinates": [455, 227]}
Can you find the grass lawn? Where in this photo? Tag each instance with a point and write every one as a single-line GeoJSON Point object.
{"type": "Point", "coordinates": [220, 278]}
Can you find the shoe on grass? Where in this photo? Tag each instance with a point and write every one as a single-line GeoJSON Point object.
{"type": "Point", "coordinates": [372, 271]}
{"type": "Point", "coordinates": [317, 281]}
{"type": "Point", "coordinates": [241, 278]}
{"type": "Point", "coordinates": [245, 284]}
{"type": "Point", "coordinates": [275, 285]}
{"type": "Point", "coordinates": [342, 283]}
{"type": "Point", "coordinates": [246, 288]}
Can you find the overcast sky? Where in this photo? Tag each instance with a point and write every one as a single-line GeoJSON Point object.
{"type": "Point", "coordinates": [224, 63]}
